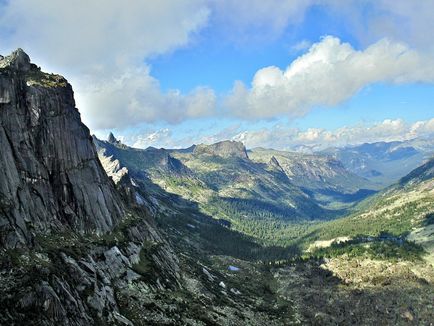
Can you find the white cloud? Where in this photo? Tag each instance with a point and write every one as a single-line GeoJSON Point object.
{"type": "Point", "coordinates": [328, 74]}
{"type": "Point", "coordinates": [301, 46]}
{"type": "Point", "coordinates": [403, 20]}
{"type": "Point", "coordinates": [135, 97]}
{"type": "Point", "coordinates": [96, 35]}
{"type": "Point", "coordinates": [101, 47]}
{"type": "Point", "coordinates": [158, 138]}
{"type": "Point", "coordinates": [281, 137]}
{"type": "Point", "coordinates": [258, 20]}
{"type": "Point", "coordinates": [284, 137]}
{"type": "Point", "coordinates": [368, 20]}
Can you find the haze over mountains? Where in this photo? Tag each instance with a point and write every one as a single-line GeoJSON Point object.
{"type": "Point", "coordinates": [384, 163]}
{"type": "Point", "coordinates": [97, 232]}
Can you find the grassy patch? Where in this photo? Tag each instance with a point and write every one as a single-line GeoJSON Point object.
{"type": "Point", "coordinates": [392, 249]}
{"type": "Point", "coordinates": [36, 77]}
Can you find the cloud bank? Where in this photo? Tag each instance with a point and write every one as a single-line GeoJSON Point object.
{"type": "Point", "coordinates": [328, 74]}
{"type": "Point", "coordinates": [317, 139]}
{"type": "Point", "coordinates": [284, 137]}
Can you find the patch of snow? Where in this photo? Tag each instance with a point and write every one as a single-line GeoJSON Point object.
{"type": "Point", "coordinates": [233, 268]}
{"type": "Point", "coordinates": [222, 284]}
{"type": "Point", "coordinates": [235, 291]}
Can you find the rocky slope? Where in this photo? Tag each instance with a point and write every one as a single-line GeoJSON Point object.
{"type": "Point", "coordinates": [226, 148]}
{"type": "Point", "coordinates": [69, 243]}
{"type": "Point", "coordinates": [151, 160]}
{"type": "Point", "coordinates": [321, 176]}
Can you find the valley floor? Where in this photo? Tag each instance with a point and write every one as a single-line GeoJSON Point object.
{"type": "Point", "coordinates": [338, 291]}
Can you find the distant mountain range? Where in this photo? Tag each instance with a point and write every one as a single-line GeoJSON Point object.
{"type": "Point", "coordinates": [384, 162]}
{"type": "Point", "coordinates": [293, 185]}
{"type": "Point", "coordinates": [323, 177]}
{"type": "Point", "coordinates": [219, 177]}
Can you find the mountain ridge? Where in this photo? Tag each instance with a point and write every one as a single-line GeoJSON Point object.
{"type": "Point", "coordinates": [41, 164]}
{"type": "Point", "coordinates": [225, 148]}
{"type": "Point", "coordinates": [384, 163]}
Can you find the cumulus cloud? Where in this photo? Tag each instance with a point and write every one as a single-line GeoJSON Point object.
{"type": "Point", "coordinates": [328, 74]}
{"type": "Point", "coordinates": [101, 47]}
{"type": "Point", "coordinates": [97, 34]}
{"type": "Point", "coordinates": [135, 97]}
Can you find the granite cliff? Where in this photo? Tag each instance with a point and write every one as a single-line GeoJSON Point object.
{"type": "Point", "coordinates": [71, 243]}
{"type": "Point", "coordinates": [51, 178]}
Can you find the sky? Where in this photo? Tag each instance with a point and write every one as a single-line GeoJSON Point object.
{"type": "Point", "coordinates": [285, 74]}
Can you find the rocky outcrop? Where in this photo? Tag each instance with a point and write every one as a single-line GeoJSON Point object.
{"type": "Point", "coordinates": [224, 149]}
{"type": "Point", "coordinates": [50, 175]}
{"type": "Point", "coordinates": [274, 165]}
{"type": "Point", "coordinates": [75, 281]}
{"type": "Point", "coordinates": [139, 160]}
{"type": "Point", "coordinates": [112, 139]}
{"type": "Point", "coordinates": [71, 243]}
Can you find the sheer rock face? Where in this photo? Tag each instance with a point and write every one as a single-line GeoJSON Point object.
{"type": "Point", "coordinates": [54, 197]}
{"type": "Point", "coordinates": [225, 149]}
{"type": "Point", "coordinates": [50, 175]}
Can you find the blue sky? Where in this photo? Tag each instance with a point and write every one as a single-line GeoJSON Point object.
{"type": "Point", "coordinates": [281, 74]}
{"type": "Point", "coordinates": [217, 61]}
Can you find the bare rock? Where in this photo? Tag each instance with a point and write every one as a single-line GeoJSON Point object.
{"type": "Point", "coordinates": [224, 149]}
{"type": "Point", "coordinates": [50, 175]}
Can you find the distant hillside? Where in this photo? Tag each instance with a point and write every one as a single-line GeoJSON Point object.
{"type": "Point", "coordinates": [221, 170]}
{"type": "Point", "coordinates": [405, 209]}
{"type": "Point", "coordinates": [225, 149]}
{"type": "Point", "coordinates": [384, 162]}
{"type": "Point", "coordinates": [248, 190]}
{"type": "Point", "coordinates": [323, 177]}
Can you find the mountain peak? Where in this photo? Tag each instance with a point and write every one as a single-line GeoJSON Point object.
{"type": "Point", "coordinates": [18, 60]}
{"type": "Point", "coordinates": [111, 138]}
{"type": "Point", "coordinates": [40, 125]}
{"type": "Point", "coordinates": [226, 148]}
